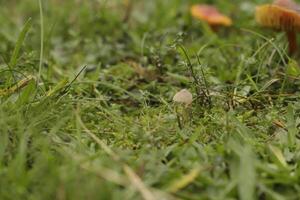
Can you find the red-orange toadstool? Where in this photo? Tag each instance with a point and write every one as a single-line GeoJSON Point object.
{"type": "Point", "coordinates": [282, 15]}
{"type": "Point", "coordinates": [210, 15]}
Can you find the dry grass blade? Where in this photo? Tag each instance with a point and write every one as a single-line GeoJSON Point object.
{"type": "Point", "coordinates": [137, 182]}
{"type": "Point", "coordinates": [19, 85]}
{"type": "Point", "coordinates": [185, 180]}
{"type": "Point", "coordinates": [100, 171]}
{"type": "Point", "coordinates": [106, 174]}
{"type": "Point", "coordinates": [98, 141]}
{"type": "Point", "coordinates": [133, 177]}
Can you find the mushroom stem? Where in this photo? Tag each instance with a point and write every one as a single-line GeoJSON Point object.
{"type": "Point", "coordinates": [214, 28]}
{"type": "Point", "coordinates": [292, 38]}
{"type": "Point", "coordinates": [128, 10]}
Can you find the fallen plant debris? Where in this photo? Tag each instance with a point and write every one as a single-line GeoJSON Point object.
{"type": "Point", "coordinates": [17, 87]}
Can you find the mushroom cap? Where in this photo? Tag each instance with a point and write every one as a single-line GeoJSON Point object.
{"type": "Point", "coordinates": [183, 96]}
{"type": "Point", "coordinates": [278, 16]}
{"type": "Point", "coordinates": [210, 14]}
{"type": "Point", "coordinates": [290, 4]}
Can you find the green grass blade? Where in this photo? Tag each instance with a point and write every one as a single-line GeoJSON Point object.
{"type": "Point", "coordinates": [20, 41]}
{"type": "Point", "coordinates": [42, 39]}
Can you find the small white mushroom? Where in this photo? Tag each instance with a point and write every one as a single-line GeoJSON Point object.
{"type": "Point", "coordinates": [184, 97]}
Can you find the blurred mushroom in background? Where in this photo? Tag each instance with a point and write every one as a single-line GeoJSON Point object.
{"type": "Point", "coordinates": [210, 15]}
{"type": "Point", "coordinates": [282, 15]}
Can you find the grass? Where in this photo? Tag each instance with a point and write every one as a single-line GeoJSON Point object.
{"type": "Point", "coordinates": [86, 106]}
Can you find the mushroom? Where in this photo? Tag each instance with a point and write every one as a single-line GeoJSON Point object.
{"type": "Point", "coordinates": [287, 4]}
{"type": "Point", "coordinates": [210, 15]}
{"type": "Point", "coordinates": [128, 4]}
{"type": "Point", "coordinates": [184, 98]}
{"type": "Point", "coordinates": [282, 15]}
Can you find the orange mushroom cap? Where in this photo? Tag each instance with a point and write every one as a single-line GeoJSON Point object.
{"type": "Point", "coordinates": [290, 4]}
{"type": "Point", "coordinates": [210, 14]}
{"type": "Point", "coordinates": [281, 14]}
